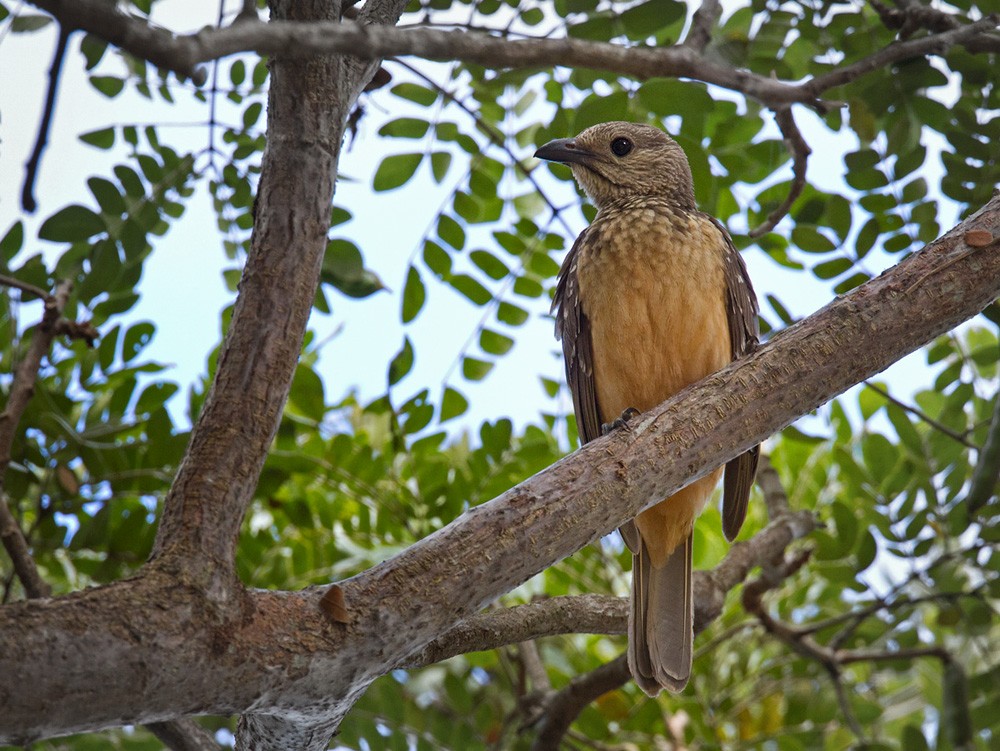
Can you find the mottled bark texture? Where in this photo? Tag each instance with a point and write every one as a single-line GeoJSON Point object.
{"type": "Point", "coordinates": [160, 645]}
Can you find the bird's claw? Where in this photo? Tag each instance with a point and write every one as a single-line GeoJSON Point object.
{"type": "Point", "coordinates": [621, 421]}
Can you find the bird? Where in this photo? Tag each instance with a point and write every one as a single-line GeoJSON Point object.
{"type": "Point", "coordinates": [652, 297]}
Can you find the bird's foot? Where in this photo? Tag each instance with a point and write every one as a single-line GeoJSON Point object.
{"type": "Point", "coordinates": [621, 422]}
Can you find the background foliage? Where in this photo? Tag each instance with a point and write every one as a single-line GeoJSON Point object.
{"type": "Point", "coordinates": [907, 563]}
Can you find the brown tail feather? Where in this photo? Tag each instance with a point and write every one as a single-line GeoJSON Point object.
{"type": "Point", "coordinates": [661, 621]}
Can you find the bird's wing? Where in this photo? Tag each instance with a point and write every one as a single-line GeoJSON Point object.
{"type": "Point", "coordinates": [744, 333]}
{"type": "Point", "coordinates": [573, 328]}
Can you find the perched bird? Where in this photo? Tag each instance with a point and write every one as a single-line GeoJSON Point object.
{"type": "Point", "coordinates": [652, 297]}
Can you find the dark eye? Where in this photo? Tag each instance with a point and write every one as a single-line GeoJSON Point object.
{"type": "Point", "coordinates": [621, 146]}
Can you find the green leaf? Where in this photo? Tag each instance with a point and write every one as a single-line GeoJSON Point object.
{"type": "Point", "coordinates": [405, 127]}
{"type": "Point", "coordinates": [402, 363]}
{"type": "Point", "coordinates": [494, 343]}
{"type": "Point", "coordinates": [12, 242]}
{"type": "Point", "coordinates": [647, 18]}
{"type": "Point", "coordinates": [440, 161]}
{"type": "Point", "coordinates": [307, 392]}
{"type": "Point", "coordinates": [490, 265]}
{"type": "Point", "coordinates": [471, 289]}
{"type": "Point", "coordinates": [512, 315]}
{"type": "Point", "coordinates": [110, 86]}
{"type": "Point", "coordinates": [474, 369]}
{"type": "Point", "coordinates": [810, 239]}
{"type": "Point", "coordinates": [832, 268]}
{"type": "Point", "coordinates": [437, 259]}
{"type": "Point", "coordinates": [71, 224]}
{"type": "Point", "coordinates": [109, 198]}
{"type": "Point", "coordinates": [136, 339]}
{"type": "Point", "coordinates": [414, 295]}
{"type": "Point", "coordinates": [956, 724]}
{"type": "Point", "coordinates": [396, 170]}
{"type": "Point", "coordinates": [344, 268]}
{"type": "Point", "coordinates": [415, 93]}
{"type": "Point", "coordinates": [453, 404]}
{"type": "Point", "coordinates": [104, 138]}
{"type": "Point", "coordinates": [451, 232]}
{"type": "Point", "coordinates": [27, 22]}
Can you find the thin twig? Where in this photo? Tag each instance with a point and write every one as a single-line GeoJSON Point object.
{"type": "Point", "coordinates": [42, 138]}
{"type": "Point", "coordinates": [923, 417]}
{"type": "Point", "coordinates": [800, 153]}
{"type": "Point", "coordinates": [21, 391]}
{"type": "Point", "coordinates": [9, 281]}
{"type": "Point", "coordinates": [496, 137]}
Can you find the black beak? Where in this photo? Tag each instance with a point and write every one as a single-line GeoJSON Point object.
{"type": "Point", "coordinates": [564, 150]}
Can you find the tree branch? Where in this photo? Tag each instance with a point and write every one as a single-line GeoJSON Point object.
{"type": "Point", "coordinates": [702, 23]}
{"type": "Point", "coordinates": [21, 391]}
{"type": "Point", "coordinates": [604, 614]}
{"type": "Point", "coordinates": [800, 154]}
{"type": "Point", "coordinates": [183, 735]}
{"type": "Point", "coordinates": [42, 138]}
{"type": "Point", "coordinates": [565, 705]}
{"type": "Point", "coordinates": [276, 653]}
{"type": "Point", "coordinates": [922, 416]}
{"type": "Point", "coordinates": [299, 39]}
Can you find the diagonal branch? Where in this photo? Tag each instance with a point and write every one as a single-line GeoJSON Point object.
{"type": "Point", "coordinates": [565, 705]}
{"type": "Point", "coordinates": [276, 655]}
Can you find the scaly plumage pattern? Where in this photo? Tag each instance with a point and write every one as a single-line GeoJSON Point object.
{"type": "Point", "coordinates": [652, 297]}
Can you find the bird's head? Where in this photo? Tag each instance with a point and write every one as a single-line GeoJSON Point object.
{"type": "Point", "coordinates": [619, 161]}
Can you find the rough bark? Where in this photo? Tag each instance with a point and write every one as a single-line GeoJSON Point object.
{"type": "Point", "coordinates": [157, 647]}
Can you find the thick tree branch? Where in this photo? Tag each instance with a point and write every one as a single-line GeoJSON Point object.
{"type": "Point", "coordinates": [276, 653]}
{"type": "Point", "coordinates": [604, 614]}
{"type": "Point", "coordinates": [217, 478]}
{"type": "Point", "coordinates": [183, 54]}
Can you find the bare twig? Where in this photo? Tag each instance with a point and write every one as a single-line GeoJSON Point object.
{"type": "Point", "coordinates": [923, 417]}
{"type": "Point", "coordinates": [800, 153]}
{"type": "Point", "coordinates": [495, 136]}
{"type": "Point", "coordinates": [28, 202]}
{"type": "Point", "coordinates": [564, 706]}
{"type": "Point", "coordinates": [931, 44]}
{"type": "Point", "coordinates": [9, 281]}
{"type": "Point", "coordinates": [909, 17]}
